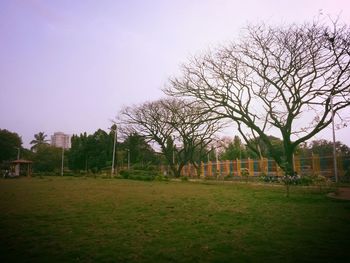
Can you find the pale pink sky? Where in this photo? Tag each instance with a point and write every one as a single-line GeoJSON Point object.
{"type": "Point", "coordinates": [72, 65]}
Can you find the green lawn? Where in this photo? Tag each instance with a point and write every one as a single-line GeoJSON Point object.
{"type": "Point", "coordinates": [109, 220]}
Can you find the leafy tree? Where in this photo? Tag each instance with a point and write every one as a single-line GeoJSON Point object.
{"type": "Point", "coordinates": [275, 78]}
{"type": "Point", "coordinates": [10, 142]}
{"type": "Point", "coordinates": [234, 150]}
{"type": "Point", "coordinates": [39, 139]}
{"type": "Point", "coordinates": [77, 156]}
{"type": "Point", "coordinates": [140, 151]}
{"type": "Point", "coordinates": [91, 152]}
{"type": "Point", "coordinates": [47, 158]}
{"type": "Point", "coordinates": [99, 150]}
{"type": "Point", "coordinates": [325, 148]}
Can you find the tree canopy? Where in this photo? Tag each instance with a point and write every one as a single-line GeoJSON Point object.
{"type": "Point", "coordinates": [179, 127]}
{"type": "Point", "coordinates": [283, 79]}
{"type": "Point", "coordinates": [39, 139]}
{"type": "Point", "coordinates": [10, 142]}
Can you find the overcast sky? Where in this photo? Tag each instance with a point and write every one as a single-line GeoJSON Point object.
{"type": "Point", "coordinates": [70, 66]}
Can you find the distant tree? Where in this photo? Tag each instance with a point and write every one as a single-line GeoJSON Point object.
{"type": "Point", "coordinates": [150, 120]}
{"type": "Point", "coordinates": [195, 130]}
{"type": "Point", "coordinates": [140, 151]}
{"type": "Point", "coordinates": [77, 156]}
{"type": "Point", "coordinates": [99, 150]}
{"type": "Point", "coordinates": [180, 128]}
{"type": "Point", "coordinates": [234, 150]}
{"type": "Point", "coordinates": [47, 158]}
{"type": "Point", "coordinates": [91, 152]}
{"type": "Point", "coordinates": [325, 148]}
{"type": "Point", "coordinates": [10, 142]}
{"type": "Point", "coordinates": [39, 139]}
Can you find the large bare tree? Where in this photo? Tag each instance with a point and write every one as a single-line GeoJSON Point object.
{"type": "Point", "coordinates": [170, 122]}
{"type": "Point", "coordinates": [274, 79]}
{"type": "Point", "coordinates": [195, 130]}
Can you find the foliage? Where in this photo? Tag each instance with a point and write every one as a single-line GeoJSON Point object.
{"type": "Point", "coordinates": [269, 178]}
{"type": "Point", "coordinates": [47, 158]}
{"type": "Point", "coordinates": [10, 142]}
{"type": "Point", "coordinates": [139, 151]}
{"type": "Point", "coordinates": [39, 139]}
{"type": "Point", "coordinates": [184, 178]}
{"type": "Point", "coordinates": [234, 150]}
{"type": "Point", "coordinates": [143, 175]}
{"type": "Point", "coordinates": [180, 128]}
{"type": "Point", "coordinates": [91, 152]}
{"type": "Point", "coordinates": [325, 148]}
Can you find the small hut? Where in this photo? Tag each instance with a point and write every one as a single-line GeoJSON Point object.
{"type": "Point", "coordinates": [21, 167]}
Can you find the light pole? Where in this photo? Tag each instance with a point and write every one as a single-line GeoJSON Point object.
{"type": "Point", "coordinates": [62, 164]}
{"type": "Point", "coordinates": [334, 149]}
{"type": "Point", "coordinates": [174, 150]}
{"type": "Point", "coordinates": [114, 144]}
{"type": "Point", "coordinates": [18, 152]}
{"type": "Point", "coordinates": [128, 158]}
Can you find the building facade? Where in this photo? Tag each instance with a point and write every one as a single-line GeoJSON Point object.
{"type": "Point", "coordinates": [59, 139]}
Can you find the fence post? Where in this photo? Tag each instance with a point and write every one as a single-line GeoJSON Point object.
{"type": "Point", "coordinates": [251, 167]}
{"type": "Point", "coordinates": [340, 166]}
{"type": "Point", "coordinates": [238, 166]}
{"type": "Point", "coordinates": [315, 164]}
{"type": "Point", "coordinates": [209, 168]}
{"type": "Point", "coordinates": [227, 167]}
{"type": "Point", "coordinates": [297, 166]}
{"type": "Point", "coordinates": [218, 168]}
{"type": "Point", "coordinates": [202, 170]}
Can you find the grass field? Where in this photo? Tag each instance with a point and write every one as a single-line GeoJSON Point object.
{"type": "Point", "coordinates": [108, 220]}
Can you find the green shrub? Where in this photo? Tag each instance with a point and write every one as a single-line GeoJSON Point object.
{"type": "Point", "coordinates": [268, 178]}
{"type": "Point", "coordinates": [143, 175]}
{"type": "Point", "coordinates": [184, 178]}
{"type": "Point", "coordinates": [124, 174]}
{"type": "Point", "coordinates": [161, 177]}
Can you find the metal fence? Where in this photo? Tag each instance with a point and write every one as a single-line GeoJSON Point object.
{"type": "Point", "coordinates": [314, 165]}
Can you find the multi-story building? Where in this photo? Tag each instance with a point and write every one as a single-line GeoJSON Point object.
{"type": "Point", "coordinates": [59, 139]}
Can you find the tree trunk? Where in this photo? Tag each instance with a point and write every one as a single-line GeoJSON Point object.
{"type": "Point", "coordinates": [289, 174]}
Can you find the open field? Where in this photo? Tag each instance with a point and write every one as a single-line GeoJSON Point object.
{"type": "Point", "coordinates": [108, 220]}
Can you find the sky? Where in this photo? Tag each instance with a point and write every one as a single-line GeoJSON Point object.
{"type": "Point", "coordinates": [71, 66]}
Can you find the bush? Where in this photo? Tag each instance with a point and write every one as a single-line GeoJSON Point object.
{"type": "Point", "coordinates": [124, 174]}
{"type": "Point", "coordinates": [268, 178]}
{"type": "Point", "coordinates": [161, 177]}
{"type": "Point", "coordinates": [184, 178]}
{"type": "Point", "coordinates": [143, 175]}
{"type": "Point", "coordinates": [305, 179]}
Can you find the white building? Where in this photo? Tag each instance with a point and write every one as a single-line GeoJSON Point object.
{"type": "Point", "coordinates": [59, 139]}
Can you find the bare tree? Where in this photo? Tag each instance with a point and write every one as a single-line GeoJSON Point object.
{"type": "Point", "coordinates": [169, 122]}
{"type": "Point", "coordinates": [195, 130]}
{"type": "Point", "coordinates": [275, 79]}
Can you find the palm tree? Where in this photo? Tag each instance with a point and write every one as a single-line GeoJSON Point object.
{"type": "Point", "coordinates": [40, 139]}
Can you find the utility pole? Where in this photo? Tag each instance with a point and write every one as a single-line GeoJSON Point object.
{"type": "Point", "coordinates": [18, 152]}
{"type": "Point", "coordinates": [174, 150]}
{"type": "Point", "coordinates": [334, 148]}
{"type": "Point", "coordinates": [128, 159]}
{"type": "Point", "coordinates": [62, 161]}
{"type": "Point", "coordinates": [114, 144]}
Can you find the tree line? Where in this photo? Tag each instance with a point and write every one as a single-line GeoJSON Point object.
{"type": "Point", "coordinates": [93, 153]}
{"type": "Point", "coordinates": [88, 153]}
{"type": "Point", "coordinates": [291, 80]}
